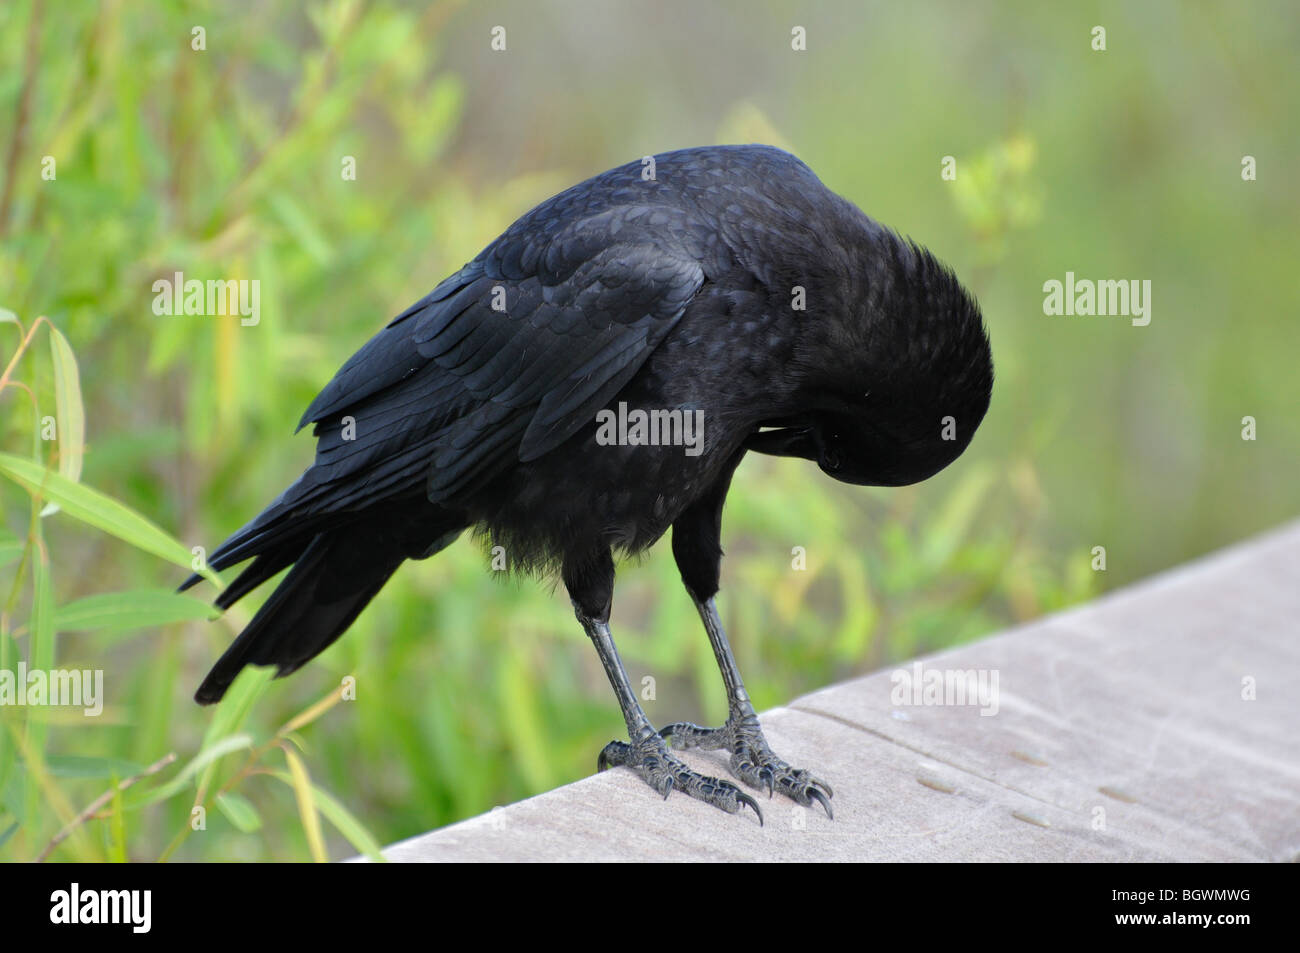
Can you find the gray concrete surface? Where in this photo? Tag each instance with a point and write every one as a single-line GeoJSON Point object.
{"type": "Point", "coordinates": [1125, 731]}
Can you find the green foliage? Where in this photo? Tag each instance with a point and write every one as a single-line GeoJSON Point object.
{"type": "Point", "coordinates": [29, 774]}
{"type": "Point", "coordinates": [996, 194]}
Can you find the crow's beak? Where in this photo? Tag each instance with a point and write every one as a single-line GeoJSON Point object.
{"type": "Point", "coordinates": [784, 442]}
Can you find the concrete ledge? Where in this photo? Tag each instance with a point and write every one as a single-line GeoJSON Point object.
{"type": "Point", "coordinates": [1121, 734]}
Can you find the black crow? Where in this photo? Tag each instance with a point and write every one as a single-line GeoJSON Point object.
{"type": "Point", "coordinates": [716, 300]}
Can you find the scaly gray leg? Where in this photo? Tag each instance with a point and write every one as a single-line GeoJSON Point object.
{"type": "Point", "coordinates": [751, 759]}
{"type": "Point", "coordinates": [647, 752]}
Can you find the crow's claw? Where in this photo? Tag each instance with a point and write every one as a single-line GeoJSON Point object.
{"type": "Point", "coordinates": [752, 760]}
{"type": "Point", "coordinates": [816, 795]}
{"type": "Point", "coordinates": [650, 759]}
{"type": "Point", "coordinates": [614, 753]}
{"type": "Point", "coordinates": [746, 799]}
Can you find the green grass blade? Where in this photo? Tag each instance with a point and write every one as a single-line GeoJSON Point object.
{"type": "Point", "coordinates": [240, 811]}
{"type": "Point", "coordinates": [343, 820]}
{"type": "Point", "coordinates": [209, 755]}
{"type": "Point", "coordinates": [137, 609]}
{"type": "Point", "coordinates": [306, 795]}
{"type": "Point", "coordinates": [70, 411]}
{"type": "Point", "coordinates": [99, 510]}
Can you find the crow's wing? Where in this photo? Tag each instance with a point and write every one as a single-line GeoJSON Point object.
{"type": "Point", "coordinates": [501, 363]}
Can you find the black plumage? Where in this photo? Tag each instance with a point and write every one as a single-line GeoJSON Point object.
{"type": "Point", "coordinates": [732, 283]}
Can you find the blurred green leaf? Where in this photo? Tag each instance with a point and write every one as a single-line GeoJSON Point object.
{"type": "Point", "coordinates": [139, 608]}
{"type": "Point", "coordinates": [97, 509]}
{"type": "Point", "coordinates": [82, 766]}
{"type": "Point", "coordinates": [303, 790]}
{"type": "Point", "coordinates": [41, 658]}
{"type": "Point", "coordinates": [300, 225]}
{"type": "Point", "coordinates": [209, 755]}
{"type": "Point", "coordinates": [240, 811]}
{"type": "Point", "coordinates": [342, 819]}
{"type": "Point", "coordinates": [71, 419]}
{"type": "Point", "coordinates": [233, 710]}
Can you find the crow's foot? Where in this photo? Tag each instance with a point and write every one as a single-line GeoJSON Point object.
{"type": "Point", "coordinates": [752, 760]}
{"type": "Point", "coordinates": [650, 758]}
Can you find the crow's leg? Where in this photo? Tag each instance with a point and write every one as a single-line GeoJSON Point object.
{"type": "Point", "coordinates": [751, 759]}
{"type": "Point", "coordinates": [698, 551]}
{"type": "Point", "coordinates": [591, 585]}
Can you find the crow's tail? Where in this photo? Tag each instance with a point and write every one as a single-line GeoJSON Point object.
{"type": "Point", "coordinates": [335, 574]}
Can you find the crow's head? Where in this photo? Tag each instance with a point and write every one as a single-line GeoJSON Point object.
{"type": "Point", "coordinates": [897, 374]}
